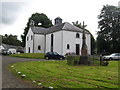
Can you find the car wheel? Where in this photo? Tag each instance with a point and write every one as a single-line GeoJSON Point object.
{"type": "Point", "coordinates": [61, 58]}
{"type": "Point", "coordinates": [110, 59]}
{"type": "Point", "coordinates": [47, 58]}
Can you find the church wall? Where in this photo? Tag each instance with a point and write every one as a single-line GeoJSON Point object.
{"type": "Point", "coordinates": [39, 43]}
{"type": "Point", "coordinates": [29, 42]}
{"type": "Point", "coordinates": [70, 38]}
{"type": "Point", "coordinates": [48, 42]}
{"type": "Point", "coordinates": [61, 39]}
{"type": "Point", "coordinates": [57, 43]}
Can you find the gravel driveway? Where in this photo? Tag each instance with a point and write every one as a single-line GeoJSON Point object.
{"type": "Point", "coordinates": [10, 81]}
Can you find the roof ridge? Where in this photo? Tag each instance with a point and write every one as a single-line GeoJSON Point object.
{"type": "Point", "coordinates": [62, 26]}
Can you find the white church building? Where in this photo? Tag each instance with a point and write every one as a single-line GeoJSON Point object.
{"type": "Point", "coordinates": [61, 38]}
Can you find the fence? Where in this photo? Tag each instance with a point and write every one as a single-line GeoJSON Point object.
{"type": "Point", "coordinates": [74, 60]}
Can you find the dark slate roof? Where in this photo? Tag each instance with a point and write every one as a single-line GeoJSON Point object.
{"type": "Point", "coordinates": [18, 48]}
{"type": "Point", "coordinates": [39, 30]}
{"type": "Point", "coordinates": [62, 26]}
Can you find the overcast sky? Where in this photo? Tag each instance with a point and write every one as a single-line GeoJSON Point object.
{"type": "Point", "coordinates": [15, 13]}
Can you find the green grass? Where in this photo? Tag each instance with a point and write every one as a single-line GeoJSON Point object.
{"type": "Point", "coordinates": [29, 55]}
{"type": "Point", "coordinates": [60, 75]}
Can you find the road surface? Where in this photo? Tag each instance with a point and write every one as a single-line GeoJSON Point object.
{"type": "Point", "coordinates": [8, 79]}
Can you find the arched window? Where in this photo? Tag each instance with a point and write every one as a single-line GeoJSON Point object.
{"type": "Point", "coordinates": [77, 35]}
{"type": "Point", "coordinates": [52, 38]}
{"type": "Point", "coordinates": [39, 47]}
{"type": "Point", "coordinates": [27, 38]}
{"type": "Point", "coordinates": [68, 46]}
{"type": "Point", "coordinates": [31, 37]}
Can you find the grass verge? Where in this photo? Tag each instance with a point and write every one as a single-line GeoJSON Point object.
{"type": "Point", "coordinates": [29, 55]}
{"type": "Point", "coordinates": [60, 75]}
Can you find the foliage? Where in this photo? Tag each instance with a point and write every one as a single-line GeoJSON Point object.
{"type": "Point", "coordinates": [93, 43]}
{"type": "Point", "coordinates": [29, 55]}
{"type": "Point", "coordinates": [108, 39]}
{"type": "Point", "coordinates": [11, 40]}
{"type": "Point", "coordinates": [60, 75]}
{"type": "Point", "coordinates": [79, 24]}
{"type": "Point", "coordinates": [40, 20]}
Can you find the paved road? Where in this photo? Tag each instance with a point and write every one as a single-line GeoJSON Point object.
{"type": "Point", "coordinates": [10, 81]}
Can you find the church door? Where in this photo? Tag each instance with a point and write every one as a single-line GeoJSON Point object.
{"type": "Point", "coordinates": [29, 50]}
{"type": "Point", "coordinates": [77, 49]}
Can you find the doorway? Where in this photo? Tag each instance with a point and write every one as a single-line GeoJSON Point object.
{"type": "Point", "coordinates": [52, 36]}
{"type": "Point", "coordinates": [77, 49]}
{"type": "Point", "coordinates": [29, 50]}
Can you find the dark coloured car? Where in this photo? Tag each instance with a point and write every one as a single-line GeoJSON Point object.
{"type": "Point", "coordinates": [54, 55]}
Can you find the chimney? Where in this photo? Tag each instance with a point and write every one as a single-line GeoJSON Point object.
{"type": "Point", "coordinates": [58, 20]}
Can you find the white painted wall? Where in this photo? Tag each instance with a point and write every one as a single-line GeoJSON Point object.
{"type": "Point", "coordinates": [29, 42]}
{"type": "Point", "coordinates": [57, 43]}
{"type": "Point", "coordinates": [39, 40]}
{"type": "Point", "coordinates": [48, 43]}
{"type": "Point", "coordinates": [69, 37]}
{"type": "Point", "coordinates": [61, 39]}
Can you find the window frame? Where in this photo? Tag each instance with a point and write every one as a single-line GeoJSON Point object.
{"type": "Point", "coordinates": [77, 35]}
{"type": "Point", "coordinates": [68, 46]}
{"type": "Point", "coordinates": [27, 38]}
{"type": "Point", "coordinates": [39, 47]}
{"type": "Point", "coordinates": [31, 37]}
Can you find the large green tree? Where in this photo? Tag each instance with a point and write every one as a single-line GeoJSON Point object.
{"type": "Point", "coordinates": [11, 40]}
{"type": "Point", "coordinates": [93, 43]}
{"type": "Point", "coordinates": [108, 39]}
{"type": "Point", "coordinates": [40, 20]}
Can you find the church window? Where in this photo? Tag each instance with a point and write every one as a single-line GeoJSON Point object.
{"type": "Point", "coordinates": [77, 35]}
{"type": "Point", "coordinates": [52, 36]}
{"type": "Point", "coordinates": [68, 46]}
{"type": "Point", "coordinates": [31, 37]}
{"type": "Point", "coordinates": [27, 38]}
{"type": "Point", "coordinates": [39, 47]}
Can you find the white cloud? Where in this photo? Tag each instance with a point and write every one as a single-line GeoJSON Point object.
{"type": "Point", "coordinates": [69, 10]}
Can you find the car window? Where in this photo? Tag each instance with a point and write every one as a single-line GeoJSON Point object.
{"type": "Point", "coordinates": [50, 52]}
{"type": "Point", "coordinates": [113, 54]}
{"type": "Point", "coordinates": [117, 55]}
{"type": "Point", "coordinates": [55, 53]}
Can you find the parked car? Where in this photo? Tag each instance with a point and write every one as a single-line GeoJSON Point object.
{"type": "Point", "coordinates": [54, 55]}
{"type": "Point", "coordinates": [114, 56]}
{"type": "Point", "coordinates": [6, 52]}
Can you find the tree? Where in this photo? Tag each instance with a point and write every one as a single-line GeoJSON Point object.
{"type": "Point", "coordinates": [93, 43]}
{"type": "Point", "coordinates": [108, 39]}
{"type": "Point", "coordinates": [11, 40]}
{"type": "Point", "coordinates": [78, 24]}
{"type": "Point", "coordinates": [40, 20]}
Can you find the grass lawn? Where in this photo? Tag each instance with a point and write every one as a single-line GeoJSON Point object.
{"type": "Point", "coordinates": [29, 55]}
{"type": "Point", "coordinates": [60, 75]}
